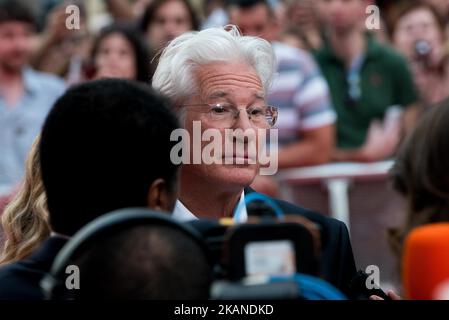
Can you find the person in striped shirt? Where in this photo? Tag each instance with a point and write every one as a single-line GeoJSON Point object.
{"type": "Point", "coordinates": [306, 116]}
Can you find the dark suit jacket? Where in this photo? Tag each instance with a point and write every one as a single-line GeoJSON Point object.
{"type": "Point", "coordinates": [21, 280]}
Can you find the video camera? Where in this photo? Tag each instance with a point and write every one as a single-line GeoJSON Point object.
{"type": "Point", "coordinates": [272, 256]}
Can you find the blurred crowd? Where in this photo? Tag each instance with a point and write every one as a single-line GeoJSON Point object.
{"type": "Point", "coordinates": [351, 84]}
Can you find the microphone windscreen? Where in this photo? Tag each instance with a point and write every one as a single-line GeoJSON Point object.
{"type": "Point", "coordinates": [425, 261]}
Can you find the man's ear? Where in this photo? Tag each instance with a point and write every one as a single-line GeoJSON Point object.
{"type": "Point", "coordinates": [158, 196]}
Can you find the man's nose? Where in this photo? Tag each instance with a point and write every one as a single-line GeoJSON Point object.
{"type": "Point", "coordinates": [243, 121]}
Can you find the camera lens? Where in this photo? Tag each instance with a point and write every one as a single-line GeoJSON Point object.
{"type": "Point", "coordinates": [422, 48]}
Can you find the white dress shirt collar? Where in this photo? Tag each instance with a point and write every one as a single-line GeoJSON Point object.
{"type": "Point", "coordinates": [181, 213]}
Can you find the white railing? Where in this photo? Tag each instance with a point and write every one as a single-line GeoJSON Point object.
{"type": "Point", "coordinates": [337, 178]}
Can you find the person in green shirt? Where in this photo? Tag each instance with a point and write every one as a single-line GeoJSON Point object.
{"type": "Point", "coordinates": [370, 83]}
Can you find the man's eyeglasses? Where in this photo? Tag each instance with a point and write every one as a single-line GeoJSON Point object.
{"type": "Point", "coordinates": [226, 114]}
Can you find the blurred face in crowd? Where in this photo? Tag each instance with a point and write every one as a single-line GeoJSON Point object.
{"type": "Point", "coordinates": [171, 20]}
{"type": "Point", "coordinates": [302, 13]}
{"type": "Point", "coordinates": [15, 45]}
{"type": "Point", "coordinates": [418, 24]}
{"type": "Point", "coordinates": [116, 58]}
{"type": "Point", "coordinates": [254, 21]}
{"type": "Point", "coordinates": [237, 85]}
{"type": "Point", "coordinates": [342, 15]}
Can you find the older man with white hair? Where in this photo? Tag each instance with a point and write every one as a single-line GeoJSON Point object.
{"type": "Point", "coordinates": [219, 79]}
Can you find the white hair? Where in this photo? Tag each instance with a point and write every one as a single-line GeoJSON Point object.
{"type": "Point", "coordinates": [174, 75]}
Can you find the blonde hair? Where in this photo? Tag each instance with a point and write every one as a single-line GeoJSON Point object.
{"type": "Point", "coordinates": [25, 219]}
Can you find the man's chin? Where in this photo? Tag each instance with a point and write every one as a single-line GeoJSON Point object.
{"type": "Point", "coordinates": [236, 174]}
{"type": "Point", "coordinates": [221, 176]}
